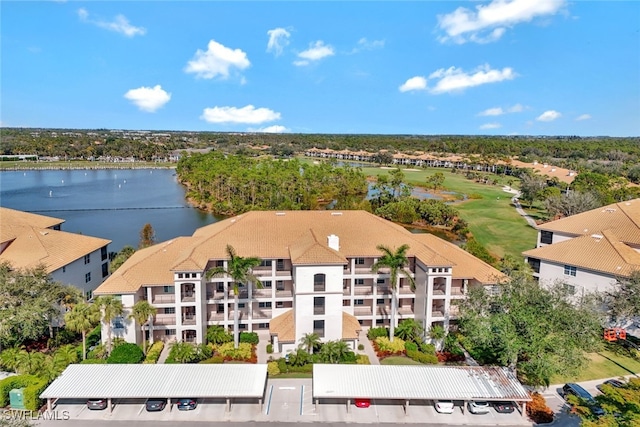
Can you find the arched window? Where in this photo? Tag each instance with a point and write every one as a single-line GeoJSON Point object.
{"type": "Point", "coordinates": [319, 282]}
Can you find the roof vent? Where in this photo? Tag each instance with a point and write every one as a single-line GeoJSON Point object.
{"type": "Point", "coordinates": [610, 210]}
{"type": "Point", "coordinates": [280, 213]}
{"type": "Point", "coordinates": [336, 213]}
{"type": "Point", "coordinates": [597, 236]}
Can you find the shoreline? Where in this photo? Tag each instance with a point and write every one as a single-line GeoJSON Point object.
{"type": "Point", "coordinates": [82, 167]}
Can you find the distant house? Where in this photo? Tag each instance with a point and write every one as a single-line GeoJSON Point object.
{"type": "Point", "coordinates": [590, 250]}
{"type": "Point", "coordinates": [28, 240]}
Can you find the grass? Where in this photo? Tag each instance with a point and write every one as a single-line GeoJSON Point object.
{"type": "Point", "coordinates": [399, 360]}
{"type": "Point", "coordinates": [604, 364]}
{"type": "Point", "coordinates": [294, 375]}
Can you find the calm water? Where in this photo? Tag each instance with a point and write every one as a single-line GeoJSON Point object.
{"type": "Point", "coordinates": [112, 204]}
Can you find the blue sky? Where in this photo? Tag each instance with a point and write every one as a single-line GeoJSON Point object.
{"type": "Point", "coordinates": [525, 67]}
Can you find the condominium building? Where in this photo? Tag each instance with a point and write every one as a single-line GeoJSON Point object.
{"type": "Point", "coordinates": [29, 240]}
{"type": "Point", "coordinates": [315, 275]}
{"type": "Point", "coordinates": [589, 251]}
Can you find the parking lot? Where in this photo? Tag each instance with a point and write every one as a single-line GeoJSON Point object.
{"type": "Point", "coordinates": [290, 400]}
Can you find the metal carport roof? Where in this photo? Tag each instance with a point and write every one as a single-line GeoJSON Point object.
{"type": "Point", "coordinates": [417, 382]}
{"type": "Point", "coordinates": [163, 381]}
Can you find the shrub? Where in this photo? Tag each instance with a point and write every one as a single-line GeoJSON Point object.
{"type": "Point", "coordinates": [269, 348]}
{"type": "Point", "coordinates": [272, 369]}
{"type": "Point", "coordinates": [99, 352]}
{"type": "Point", "coordinates": [33, 387]}
{"type": "Point", "coordinates": [249, 337]}
{"type": "Point", "coordinates": [216, 334]}
{"type": "Point", "coordinates": [411, 346]}
{"type": "Point", "coordinates": [8, 384]}
{"type": "Point", "coordinates": [243, 352]}
{"type": "Point", "coordinates": [447, 357]}
{"type": "Point", "coordinates": [427, 359]}
{"type": "Point", "coordinates": [394, 347]}
{"type": "Point", "coordinates": [538, 410]}
{"type": "Point", "coordinates": [64, 336]}
{"type": "Point", "coordinates": [93, 362]}
{"type": "Point", "coordinates": [154, 352]}
{"type": "Point", "coordinates": [374, 333]}
{"type": "Point", "coordinates": [217, 359]}
{"type": "Point", "coordinates": [363, 359]}
{"type": "Point", "coordinates": [360, 347]}
{"type": "Point", "coordinates": [282, 365]}
{"type": "Point", "coordinates": [428, 348]}
{"type": "Point", "coordinates": [126, 353]}
{"type": "Point", "coordinates": [349, 357]}
{"type": "Point", "coordinates": [94, 337]}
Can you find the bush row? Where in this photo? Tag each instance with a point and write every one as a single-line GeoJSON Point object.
{"type": "Point", "coordinates": [33, 387]}
{"type": "Point", "coordinates": [427, 359]}
{"type": "Point", "coordinates": [154, 352]}
{"type": "Point", "coordinates": [126, 353]}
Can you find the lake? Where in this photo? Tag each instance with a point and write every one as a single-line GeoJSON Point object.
{"type": "Point", "coordinates": [108, 203]}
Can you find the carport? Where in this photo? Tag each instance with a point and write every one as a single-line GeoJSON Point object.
{"type": "Point", "coordinates": [164, 381]}
{"type": "Point", "coordinates": [406, 383]}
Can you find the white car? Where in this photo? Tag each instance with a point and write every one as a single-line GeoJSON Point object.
{"type": "Point", "coordinates": [444, 406]}
{"type": "Point", "coordinates": [478, 407]}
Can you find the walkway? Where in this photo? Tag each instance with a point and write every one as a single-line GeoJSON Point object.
{"type": "Point", "coordinates": [165, 352]}
{"type": "Point", "coordinates": [368, 348]}
{"type": "Point", "coordinates": [518, 206]}
{"type": "Point", "coordinates": [261, 349]}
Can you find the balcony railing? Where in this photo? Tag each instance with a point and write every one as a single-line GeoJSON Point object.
{"type": "Point", "coordinates": [405, 310]}
{"type": "Point", "coordinates": [262, 293]}
{"type": "Point", "coordinates": [167, 319]}
{"type": "Point", "coordinates": [457, 290]}
{"type": "Point", "coordinates": [242, 293]}
{"type": "Point", "coordinates": [346, 291]}
{"type": "Point", "coordinates": [405, 290]}
{"type": "Point", "coordinates": [362, 311]}
{"type": "Point", "coordinates": [437, 312]}
{"type": "Point", "coordinates": [188, 298]}
{"type": "Point", "coordinates": [216, 316]}
{"type": "Point", "coordinates": [164, 299]}
{"type": "Point", "coordinates": [439, 290]}
{"type": "Point", "coordinates": [363, 290]}
{"type": "Point", "coordinates": [284, 293]}
{"type": "Point", "coordinates": [189, 319]}
{"type": "Point", "coordinates": [262, 313]}
{"type": "Point", "coordinates": [384, 290]}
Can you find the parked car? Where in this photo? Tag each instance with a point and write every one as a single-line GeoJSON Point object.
{"type": "Point", "coordinates": [187, 404]}
{"type": "Point", "coordinates": [612, 383]}
{"type": "Point", "coordinates": [362, 403]}
{"type": "Point", "coordinates": [155, 405]}
{"type": "Point", "coordinates": [504, 407]}
{"type": "Point", "coordinates": [97, 404]}
{"type": "Point", "coordinates": [478, 407]}
{"type": "Point", "coordinates": [444, 406]}
{"type": "Point", "coordinates": [578, 391]}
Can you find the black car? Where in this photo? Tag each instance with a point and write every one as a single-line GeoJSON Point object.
{"type": "Point", "coordinates": [612, 383]}
{"type": "Point", "coordinates": [97, 404]}
{"type": "Point", "coordinates": [155, 405]}
{"type": "Point", "coordinates": [504, 407]}
{"type": "Point", "coordinates": [186, 404]}
{"type": "Point", "coordinates": [577, 390]}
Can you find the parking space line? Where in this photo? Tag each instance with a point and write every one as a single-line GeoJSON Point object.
{"type": "Point", "coordinates": [268, 408]}
{"type": "Point", "coordinates": [301, 398]}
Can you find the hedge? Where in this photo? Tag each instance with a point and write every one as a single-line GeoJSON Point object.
{"type": "Point", "coordinates": [33, 387]}
{"type": "Point", "coordinates": [272, 368]}
{"type": "Point", "coordinates": [32, 394]}
{"type": "Point", "coordinates": [249, 337]}
{"type": "Point", "coordinates": [374, 333]}
{"type": "Point", "coordinates": [427, 359]}
{"type": "Point", "coordinates": [154, 352]}
{"type": "Point", "coordinates": [126, 353]}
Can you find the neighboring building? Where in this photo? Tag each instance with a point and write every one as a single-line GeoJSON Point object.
{"type": "Point", "coordinates": [589, 251]}
{"type": "Point", "coordinates": [316, 273]}
{"type": "Point", "coordinates": [28, 240]}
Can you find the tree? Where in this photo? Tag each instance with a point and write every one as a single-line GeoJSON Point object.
{"type": "Point", "coordinates": [124, 254]}
{"type": "Point", "coordinates": [410, 330]}
{"type": "Point", "coordinates": [142, 312]}
{"type": "Point", "coordinates": [396, 263]}
{"type": "Point", "coordinates": [82, 318]}
{"type": "Point", "coordinates": [147, 236]}
{"type": "Point", "coordinates": [310, 341]}
{"type": "Point", "coordinates": [435, 181]}
{"type": "Point", "coordinates": [216, 334]}
{"type": "Point", "coordinates": [437, 333]}
{"type": "Point", "coordinates": [334, 351]}
{"type": "Point", "coordinates": [530, 328]}
{"type": "Point", "coordinates": [111, 308]}
{"type": "Point", "coordinates": [621, 404]}
{"type": "Point", "coordinates": [240, 270]}
{"type": "Point", "coordinates": [623, 301]}
{"type": "Point", "coordinates": [571, 203]}
{"type": "Point", "coordinates": [531, 188]}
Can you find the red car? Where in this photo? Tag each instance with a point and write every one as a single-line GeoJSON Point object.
{"type": "Point", "coordinates": [363, 403]}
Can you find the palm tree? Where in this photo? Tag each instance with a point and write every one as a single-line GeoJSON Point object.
{"type": "Point", "coordinates": [111, 307]}
{"type": "Point", "coordinates": [437, 334]}
{"type": "Point", "coordinates": [334, 351]}
{"type": "Point", "coordinates": [310, 341]}
{"type": "Point", "coordinates": [82, 318]}
{"type": "Point", "coordinates": [409, 330]}
{"type": "Point", "coordinates": [142, 312]}
{"type": "Point", "coordinates": [240, 270]}
{"type": "Point", "coordinates": [396, 263]}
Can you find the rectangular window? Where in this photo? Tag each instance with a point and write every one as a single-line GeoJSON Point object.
{"type": "Point", "coordinates": [219, 287]}
{"type": "Point", "coordinates": [265, 263]}
{"type": "Point", "coordinates": [534, 263]}
{"type": "Point", "coordinates": [380, 301]}
{"type": "Point", "coordinates": [263, 326]}
{"type": "Point", "coordinates": [570, 270]}
{"type": "Point", "coordinates": [318, 305]}
{"type": "Point", "coordinates": [180, 275]}
{"type": "Point", "coordinates": [220, 263]}
{"type": "Point", "coordinates": [241, 305]}
{"type": "Point", "coordinates": [242, 326]}
{"type": "Point", "coordinates": [280, 265]}
{"type": "Point", "coordinates": [87, 258]}
{"type": "Point", "coordinates": [379, 321]}
{"type": "Point", "coordinates": [571, 289]}
{"type": "Point", "coordinates": [380, 281]}
{"type": "Point", "coordinates": [359, 261]}
{"type": "Point", "coordinates": [87, 277]}
{"type": "Point", "coordinates": [105, 269]}
{"type": "Point", "coordinates": [103, 253]}
{"type": "Point", "coordinates": [318, 327]}
{"type": "Point", "coordinates": [359, 282]}
{"type": "Point", "coordinates": [170, 310]}
{"type": "Point", "coordinates": [118, 323]}
{"type": "Point", "coordinates": [280, 285]}
{"type": "Point", "coordinates": [546, 237]}
{"type": "Point", "coordinates": [264, 304]}
{"type": "Point", "coordinates": [279, 304]}
{"type": "Point", "coordinates": [64, 268]}
{"type": "Point", "coordinates": [168, 289]}
{"type": "Point", "coordinates": [346, 303]}
{"type": "Point", "coordinates": [266, 284]}
{"type": "Point", "coordinates": [169, 331]}
{"type": "Point", "coordinates": [358, 302]}
{"type": "Point", "coordinates": [220, 308]}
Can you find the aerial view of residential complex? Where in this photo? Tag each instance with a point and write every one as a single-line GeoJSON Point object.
{"type": "Point", "coordinates": [320, 212]}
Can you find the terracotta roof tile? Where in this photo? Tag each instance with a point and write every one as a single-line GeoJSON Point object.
{"type": "Point", "coordinates": [350, 327]}
{"type": "Point", "coordinates": [284, 327]}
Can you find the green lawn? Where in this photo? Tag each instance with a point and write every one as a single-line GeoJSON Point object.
{"type": "Point", "coordinates": [604, 364]}
{"type": "Point", "coordinates": [398, 360]}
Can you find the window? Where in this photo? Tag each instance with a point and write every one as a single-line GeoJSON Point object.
{"type": "Point", "coordinates": [118, 323]}
{"type": "Point", "coordinates": [346, 303]}
{"type": "Point", "coordinates": [169, 331]}
{"type": "Point", "coordinates": [265, 263]}
{"type": "Point", "coordinates": [241, 305]}
{"type": "Point", "coordinates": [170, 310]}
{"type": "Point", "coordinates": [379, 321]}
{"type": "Point", "coordinates": [319, 282]}
{"type": "Point", "coordinates": [168, 289]}
{"type": "Point", "coordinates": [546, 237]}
{"type": "Point", "coordinates": [180, 275]}
{"type": "Point", "coordinates": [318, 327]}
{"type": "Point", "coordinates": [103, 253]}
{"type": "Point", "coordinates": [380, 281]}
{"type": "Point", "coordinates": [280, 265]}
{"type": "Point", "coordinates": [220, 308]}
{"type": "Point", "coordinates": [318, 305]}
{"type": "Point", "coordinates": [359, 261]}
{"type": "Point", "coordinates": [380, 301]}
{"type": "Point", "coordinates": [280, 285]}
{"type": "Point", "coordinates": [105, 269]}
{"type": "Point", "coordinates": [242, 326]}
{"type": "Point", "coordinates": [264, 305]}
{"type": "Point", "coordinates": [359, 282]}
{"type": "Point", "coordinates": [433, 270]}
{"type": "Point", "coordinates": [64, 268]}
{"type": "Point", "coordinates": [279, 304]}
{"type": "Point", "coordinates": [89, 295]}
{"type": "Point", "coordinates": [263, 326]}
{"type": "Point", "coordinates": [219, 287]}
{"type": "Point", "coordinates": [570, 270]}
{"type": "Point", "coordinates": [87, 258]}
{"type": "Point", "coordinates": [358, 302]}
{"type": "Point", "coordinates": [220, 263]}
{"type": "Point", "coordinates": [571, 289]}
{"type": "Point", "coordinates": [87, 277]}
{"type": "Point", "coordinates": [266, 284]}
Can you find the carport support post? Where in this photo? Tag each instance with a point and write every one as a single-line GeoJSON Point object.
{"type": "Point", "coordinates": [169, 404]}
{"type": "Point", "coordinates": [49, 405]}
{"type": "Point", "coordinates": [406, 407]}
{"type": "Point", "coordinates": [464, 404]}
{"type": "Point", "coordinates": [316, 407]}
{"type": "Point", "coordinates": [348, 405]}
{"type": "Point", "coordinates": [228, 408]}
{"type": "Point", "coordinates": [109, 405]}
{"type": "Point", "coordinates": [260, 403]}
{"type": "Point", "coordinates": [524, 409]}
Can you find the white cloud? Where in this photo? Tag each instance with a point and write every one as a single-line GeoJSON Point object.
{"type": "Point", "coordinates": [548, 116]}
{"type": "Point", "coordinates": [278, 40]}
{"type": "Point", "coordinates": [148, 98]}
{"type": "Point", "coordinates": [364, 44]}
{"type": "Point", "coordinates": [583, 117]}
{"type": "Point", "coordinates": [490, 21]}
{"type": "Point", "coordinates": [120, 24]}
{"type": "Point", "coordinates": [248, 114]}
{"type": "Point", "coordinates": [491, 126]}
{"type": "Point", "coordinates": [316, 52]}
{"type": "Point", "coordinates": [217, 60]}
{"type": "Point", "coordinates": [498, 111]}
{"type": "Point", "coordinates": [454, 79]}
{"type": "Point", "coordinates": [414, 83]}
{"type": "Point", "coordinates": [271, 129]}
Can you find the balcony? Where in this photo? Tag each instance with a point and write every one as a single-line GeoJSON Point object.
{"type": "Point", "coordinates": [262, 293]}
{"type": "Point", "coordinates": [406, 309]}
{"type": "Point", "coordinates": [213, 315]}
{"type": "Point", "coordinates": [243, 293]}
{"type": "Point", "coordinates": [363, 270]}
{"type": "Point", "coordinates": [285, 293]}
{"type": "Point", "coordinates": [189, 319]}
{"type": "Point", "coordinates": [346, 291]}
{"type": "Point", "coordinates": [384, 290]}
{"type": "Point", "coordinates": [164, 299]}
{"type": "Point", "coordinates": [262, 271]}
{"type": "Point", "coordinates": [164, 319]}
{"type": "Point", "coordinates": [262, 313]}
{"type": "Point", "coordinates": [439, 290]}
{"type": "Point", "coordinates": [405, 290]}
{"type": "Point", "coordinates": [362, 310]}
{"type": "Point", "coordinates": [363, 290]}
{"type": "Point", "coordinates": [457, 290]}
{"type": "Point", "coordinates": [242, 314]}
{"type": "Point", "coordinates": [454, 310]}
{"type": "Point", "coordinates": [188, 297]}
{"type": "Point", "coordinates": [215, 296]}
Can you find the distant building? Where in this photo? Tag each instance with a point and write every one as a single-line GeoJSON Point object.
{"type": "Point", "coordinates": [316, 273]}
{"type": "Point", "coordinates": [589, 251]}
{"type": "Point", "coordinates": [28, 240]}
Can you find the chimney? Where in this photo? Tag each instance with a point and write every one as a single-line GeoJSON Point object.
{"type": "Point", "coordinates": [333, 242]}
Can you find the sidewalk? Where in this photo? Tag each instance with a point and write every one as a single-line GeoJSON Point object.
{"type": "Point", "coordinates": [518, 206]}
{"type": "Point", "coordinates": [165, 352]}
{"type": "Point", "coordinates": [368, 348]}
